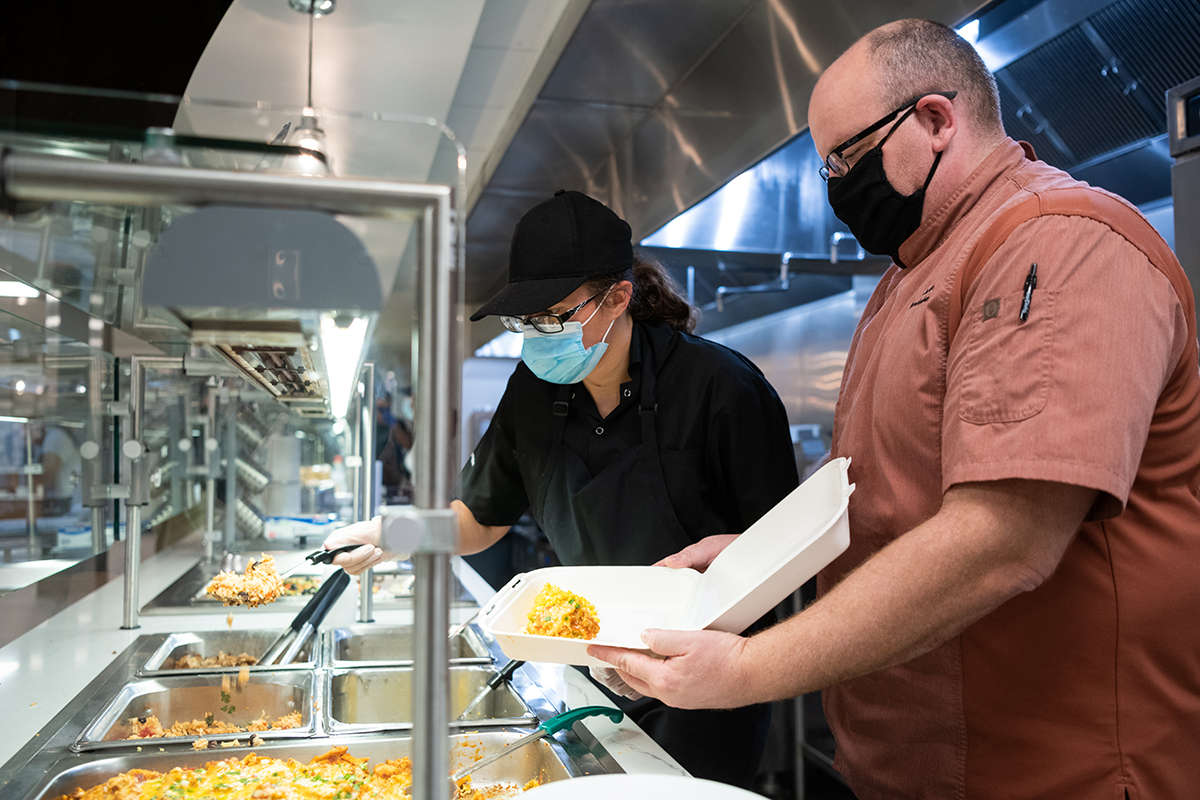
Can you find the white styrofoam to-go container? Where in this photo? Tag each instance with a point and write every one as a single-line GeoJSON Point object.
{"type": "Point", "coordinates": [797, 538]}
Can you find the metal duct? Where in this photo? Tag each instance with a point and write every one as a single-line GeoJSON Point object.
{"type": "Point", "coordinates": [1087, 89]}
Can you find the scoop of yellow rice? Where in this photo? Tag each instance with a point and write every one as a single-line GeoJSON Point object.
{"type": "Point", "coordinates": [557, 612]}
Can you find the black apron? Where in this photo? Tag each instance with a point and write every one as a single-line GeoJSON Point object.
{"type": "Point", "coordinates": [624, 517]}
{"type": "Point", "coordinates": [621, 517]}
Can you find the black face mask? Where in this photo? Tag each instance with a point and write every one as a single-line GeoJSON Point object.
{"type": "Point", "coordinates": [880, 218]}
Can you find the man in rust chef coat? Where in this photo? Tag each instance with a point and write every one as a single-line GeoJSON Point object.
{"type": "Point", "coordinates": [1015, 615]}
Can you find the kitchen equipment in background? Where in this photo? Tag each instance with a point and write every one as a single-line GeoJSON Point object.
{"type": "Point", "coordinates": [1183, 126]}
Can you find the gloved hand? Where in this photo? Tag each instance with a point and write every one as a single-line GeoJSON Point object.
{"type": "Point", "coordinates": [365, 557]}
{"type": "Point", "coordinates": [608, 677]}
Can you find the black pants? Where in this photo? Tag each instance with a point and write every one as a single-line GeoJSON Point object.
{"type": "Point", "coordinates": [723, 745]}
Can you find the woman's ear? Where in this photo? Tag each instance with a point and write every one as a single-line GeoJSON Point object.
{"type": "Point", "coordinates": [620, 296]}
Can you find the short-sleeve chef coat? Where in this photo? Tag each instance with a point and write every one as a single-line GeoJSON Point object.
{"type": "Point", "coordinates": [723, 438]}
{"type": "Point", "coordinates": [1089, 686]}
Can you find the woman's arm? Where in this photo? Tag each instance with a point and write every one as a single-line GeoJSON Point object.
{"type": "Point", "coordinates": [473, 536]}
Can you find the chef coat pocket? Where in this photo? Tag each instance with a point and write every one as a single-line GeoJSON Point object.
{"type": "Point", "coordinates": [1006, 370]}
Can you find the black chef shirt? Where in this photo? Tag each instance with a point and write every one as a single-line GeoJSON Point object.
{"type": "Point", "coordinates": [723, 437]}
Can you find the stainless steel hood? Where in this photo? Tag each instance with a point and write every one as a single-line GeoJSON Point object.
{"type": "Point", "coordinates": [1085, 82]}
{"type": "Point", "coordinates": [655, 106]}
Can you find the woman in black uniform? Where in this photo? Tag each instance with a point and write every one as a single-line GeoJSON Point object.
{"type": "Point", "coordinates": [626, 437]}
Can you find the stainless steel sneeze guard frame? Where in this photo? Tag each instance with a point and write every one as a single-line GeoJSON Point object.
{"type": "Point", "coordinates": [39, 178]}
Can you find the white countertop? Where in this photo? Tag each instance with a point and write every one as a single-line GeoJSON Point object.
{"type": "Point", "coordinates": [44, 669]}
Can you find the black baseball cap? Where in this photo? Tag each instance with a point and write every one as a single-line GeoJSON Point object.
{"type": "Point", "coordinates": [556, 247]}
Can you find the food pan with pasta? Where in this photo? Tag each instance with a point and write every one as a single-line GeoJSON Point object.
{"type": "Point", "coordinates": [216, 708]}
{"type": "Point", "coordinates": [543, 761]}
{"type": "Point", "coordinates": [217, 651]}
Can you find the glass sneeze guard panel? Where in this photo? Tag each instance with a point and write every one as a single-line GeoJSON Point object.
{"type": "Point", "coordinates": [100, 263]}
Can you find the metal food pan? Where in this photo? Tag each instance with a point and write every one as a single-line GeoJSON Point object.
{"type": "Point", "coordinates": [545, 760]}
{"type": "Point", "coordinates": [211, 643]}
{"type": "Point", "coordinates": [363, 700]}
{"type": "Point", "coordinates": [393, 645]}
{"type": "Point", "coordinates": [184, 698]}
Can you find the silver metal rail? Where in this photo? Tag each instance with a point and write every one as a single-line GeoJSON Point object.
{"type": "Point", "coordinates": [778, 285]}
{"type": "Point", "coordinates": [93, 470]}
{"type": "Point", "coordinates": [229, 450]}
{"type": "Point", "coordinates": [38, 178]}
{"type": "Point", "coordinates": [133, 449]}
{"type": "Point", "coordinates": [435, 439]}
{"type": "Point", "coordinates": [212, 469]}
{"type": "Point", "coordinates": [366, 475]}
{"type": "Point", "coordinates": [836, 238]}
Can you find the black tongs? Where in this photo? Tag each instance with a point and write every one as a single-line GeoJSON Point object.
{"type": "Point", "coordinates": [320, 557]}
{"type": "Point", "coordinates": [308, 620]}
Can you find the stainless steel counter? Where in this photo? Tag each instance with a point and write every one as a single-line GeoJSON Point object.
{"type": "Point", "coordinates": [77, 657]}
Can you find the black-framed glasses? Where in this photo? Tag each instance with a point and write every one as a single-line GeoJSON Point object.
{"type": "Point", "coordinates": [836, 165]}
{"type": "Point", "coordinates": [545, 322]}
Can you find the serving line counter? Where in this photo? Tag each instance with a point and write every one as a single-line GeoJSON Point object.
{"type": "Point", "coordinates": [81, 657]}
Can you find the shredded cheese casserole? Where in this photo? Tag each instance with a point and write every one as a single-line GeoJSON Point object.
{"type": "Point", "coordinates": [260, 584]}
{"type": "Point", "coordinates": [557, 612]}
{"type": "Point", "coordinates": [151, 728]}
{"type": "Point", "coordinates": [336, 774]}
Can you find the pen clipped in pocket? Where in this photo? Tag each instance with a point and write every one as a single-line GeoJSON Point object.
{"type": "Point", "coordinates": [1007, 361]}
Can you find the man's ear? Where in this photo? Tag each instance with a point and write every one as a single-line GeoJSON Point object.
{"type": "Point", "coordinates": [940, 118]}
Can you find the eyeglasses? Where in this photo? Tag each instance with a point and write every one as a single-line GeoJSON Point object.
{"type": "Point", "coordinates": [836, 165]}
{"type": "Point", "coordinates": [546, 322]}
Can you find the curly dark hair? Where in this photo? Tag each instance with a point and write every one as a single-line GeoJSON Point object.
{"type": "Point", "coordinates": [656, 295]}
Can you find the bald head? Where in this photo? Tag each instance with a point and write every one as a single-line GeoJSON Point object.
{"type": "Point", "coordinates": [901, 61]}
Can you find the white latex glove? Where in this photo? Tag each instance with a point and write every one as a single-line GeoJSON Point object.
{"type": "Point", "coordinates": [365, 557]}
{"type": "Point", "coordinates": [609, 678]}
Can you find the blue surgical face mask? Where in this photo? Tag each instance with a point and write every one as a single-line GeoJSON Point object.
{"type": "Point", "coordinates": [561, 357]}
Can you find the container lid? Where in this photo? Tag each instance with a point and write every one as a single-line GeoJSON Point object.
{"type": "Point", "coordinates": [793, 541]}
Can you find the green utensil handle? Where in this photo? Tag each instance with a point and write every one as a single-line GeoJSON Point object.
{"type": "Point", "coordinates": [569, 718]}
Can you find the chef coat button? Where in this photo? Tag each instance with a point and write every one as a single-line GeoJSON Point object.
{"type": "Point", "coordinates": [599, 431]}
{"type": "Point", "coordinates": [628, 393]}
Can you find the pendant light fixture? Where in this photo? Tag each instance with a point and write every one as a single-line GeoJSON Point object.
{"type": "Point", "coordinates": [308, 134]}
